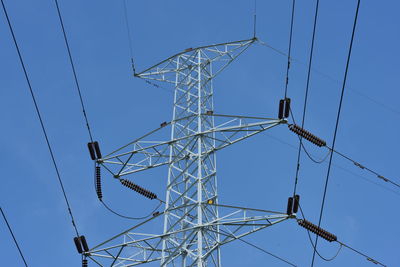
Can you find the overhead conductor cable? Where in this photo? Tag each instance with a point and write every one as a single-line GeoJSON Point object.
{"type": "Point", "coordinates": [13, 236]}
{"type": "Point", "coordinates": [40, 120]}
{"type": "Point", "coordinates": [310, 227]}
{"type": "Point", "coordinates": [306, 96]}
{"type": "Point", "coordinates": [336, 125]}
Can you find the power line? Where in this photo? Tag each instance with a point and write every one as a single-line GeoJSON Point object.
{"type": "Point", "coordinates": [329, 77]}
{"type": "Point", "coordinates": [128, 30]}
{"type": "Point", "coordinates": [318, 161]}
{"type": "Point", "coordinates": [83, 105]}
{"type": "Point", "coordinates": [315, 247]}
{"type": "Point", "coordinates": [273, 48]}
{"type": "Point", "coordinates": [362, 254]}
{"type": "Point", "coordinates": [341, 245]}
{"type": "Point", "coordinates": [290, 47]}
{"type": "Point", "coordinates": [255, 19]}
{"type": "Point", "coordinates": [356, 163]}
{"type": "Point", "coordinates": [40, 119]}
{"type": "Point", "coordinates": [256, 247]}
{"type": "Point", "coordinates": [305, 96]}
{"type": "Point", "coordinates": [365, 168]}
{"type": "Point", "coordinates": [337, 124]}
{"type": "Point", "coordinates": [12, 234]}
{"type": "Point", "coordinates": [336, 165]}
{"type": "Point", "coordinates": [73, 70]}
{"type": "Point", "coordinates": [129, 217]}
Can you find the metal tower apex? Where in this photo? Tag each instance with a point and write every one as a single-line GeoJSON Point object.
{"type": "Point", "coordinates": [220, 55]}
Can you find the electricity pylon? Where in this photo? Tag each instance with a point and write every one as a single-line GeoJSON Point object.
{"type": "Point", "coordinates": [196, 224]}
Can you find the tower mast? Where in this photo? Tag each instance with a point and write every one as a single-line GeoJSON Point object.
{"type": "Point", "coordinates": [193, 229]}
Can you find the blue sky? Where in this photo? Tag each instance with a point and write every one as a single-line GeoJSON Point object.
{"type": "Point", "coordinates": [360, 209]}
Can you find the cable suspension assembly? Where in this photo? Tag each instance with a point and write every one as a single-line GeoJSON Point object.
{"type": "Point", "coordinates": [93, 146]}
{"type": "Point", "coordinates": [81, 244]}
{"type": "Point", "coordinates": [356, 163]}
{"type": "Point", "coordinates": [317, 230]}
{"type": "Point", "coordinates": [138, 189]}
{"type": "Point", "coordinates": [307, 135]}
{"type": "Point", "coordinates": [310, 227]}
{"type": "Point", "coordinates": [98, 183]}
{"type": "Point", "coordinates": [293, 205]}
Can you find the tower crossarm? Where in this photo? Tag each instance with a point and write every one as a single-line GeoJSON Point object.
{"type": "Point", "coordinates": [131, 248]}
{"type": "Point", "coordinates": [239, 221]}
{"type": "Point", "coordinates": [220, 55]}
{"type": "Point", "coordinates": [141, 154]}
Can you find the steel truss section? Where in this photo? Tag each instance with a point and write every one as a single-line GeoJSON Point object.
{"type": "Point", "coordinates": [131, 248]}
{"type": "Point", "coordinates": [194, 227]}
{"type": "Point", "coordinates": [142, 154]}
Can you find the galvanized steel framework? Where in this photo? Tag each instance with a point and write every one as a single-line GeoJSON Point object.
{"type": "Point", "coordinates": [196, 225]}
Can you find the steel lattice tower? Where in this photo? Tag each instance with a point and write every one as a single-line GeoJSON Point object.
{"type": "Point", "coordinates": [196, 224]}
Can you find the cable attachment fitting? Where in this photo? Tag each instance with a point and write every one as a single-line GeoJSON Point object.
{"type": "Point", "coordinates": [289, 206]}
{"type": "Point", "coordinates": [296, 203]}
{"type": "Point", "coordinates": [94, 150]}
{"type": "Point", "coordinates": [307, 135]}
{"type": "Point", "coordinates": [81, 244]}
{"type": "Point", "coordinates": [284, 108]}
{"type": "Point", "coordinates": [98, 183]}
{"type": "Point", "coordinates": [317, 230]}
{"type": "Point", "coordinates": [138, 189]}
{"type": "Point", "coordinates": [293, 205]}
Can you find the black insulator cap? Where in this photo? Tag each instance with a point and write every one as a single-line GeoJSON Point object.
{"type": "Point", "coordinates": [163, 124]}
{"type": "Point", "coordinates": [210, 112]}
{"type": "Point", "coordinates": [84, 243]}
{"type": "Point", "coordinates": [296, 203]}
{"type": "Point", "coordinates": [84, 263]}
{"type": "Point", "coordinates": [281, 106]}
{"type": "Point", "coordinates": [97, 149]}
{"type": "Point", "coordinates": [91, 151]}
{"type": "Point", "coordinates": [78, 245]}
{"type": "Point", "coordinates": [289, 206]}
{"type": "Point", "coordinates": [287, 107]}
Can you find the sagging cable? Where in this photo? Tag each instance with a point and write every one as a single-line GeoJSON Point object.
{"type": "Point", "coordinates": [317, 230]}
{"type": "Point", "coordinates": [138, 189]}
{"type": "Point", "coordinates": [307, 135]}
